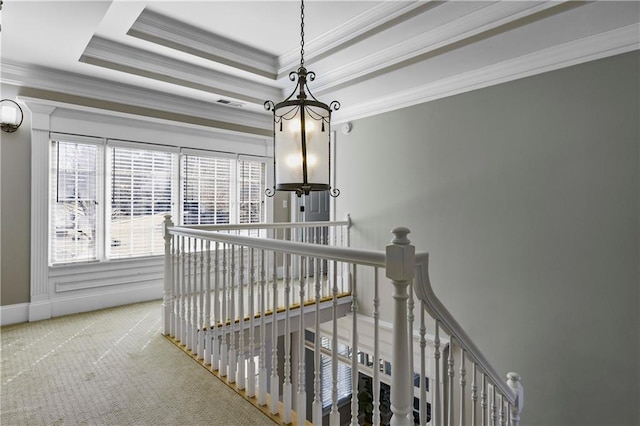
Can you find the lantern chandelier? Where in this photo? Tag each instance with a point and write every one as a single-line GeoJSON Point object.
{"type": "Point", "coordinates": [301, 135]}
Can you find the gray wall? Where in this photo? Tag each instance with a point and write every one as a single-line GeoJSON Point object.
{"type": "Point", "coordinates": [15, 190]}
{"type": "Point", "coordinates": [526, 195]}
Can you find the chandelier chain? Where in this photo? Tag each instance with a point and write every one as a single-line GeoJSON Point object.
{"type": "Point", "coordinates": [301, 33]}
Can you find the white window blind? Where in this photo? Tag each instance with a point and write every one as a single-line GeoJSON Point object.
{"type": "Point", "coordinates": [141, 187]}
{"type": "Point", "coordinates": [251, 184]}
{"type": "Point", "coordinates": [109, 198]}
{"type": "Point", "coordinates": [74, 200]}
{"type": "Point", "coordinates": [344, 374]}
{"type": "Point", "coordinates": [206, 190]}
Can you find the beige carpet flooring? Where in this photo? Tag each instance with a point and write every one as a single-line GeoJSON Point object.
{"type": "Point", "coordinates": [110, 367]}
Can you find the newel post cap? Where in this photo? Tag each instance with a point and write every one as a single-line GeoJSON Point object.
{"type": "Point", "coordinates": [401, 264]}
{"type": "Point", "coordinates": [167, 223]}
{"type": "Point", "coordinates": [514, 382]}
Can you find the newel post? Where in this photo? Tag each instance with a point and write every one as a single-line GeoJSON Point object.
{"type": "Point", "coordinates": [513, 380]}
{"type": "Point", "coordinates": [167, 299]}
{"type": "Point", "coordinates": [400, 269]}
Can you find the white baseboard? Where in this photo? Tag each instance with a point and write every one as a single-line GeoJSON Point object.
{"type": "Point", "coordinates": [14, 314]}
{"type": "Point", "coordinates": [105, 299]}
{"type": "Point", "coordinates": [42, 310]}
{"type": "Point", "coordinates": [39, 310]}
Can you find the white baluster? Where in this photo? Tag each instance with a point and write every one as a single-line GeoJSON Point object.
{"type": "Point", "coordinates": [215, 306]}
{"type": "Point", "coordinates": [231, 374]}
{"type": "Point", "coordinates": [194, 298]}
{"type": "Point", "coordinates": [201, 330]}
{"type": "Point", "coordinates": [215, 350]}
{"type": "Point", "coordinates": [286, 386]}
{"type": "Point", "coordinates": [262, 370]}
{"type": "Point", "coordinates": [167, 298]}
{"type": "Point", "coordinates": [423, 373]}
{"type": "Point", "coordinates": [410, 321]}
{"type": "Point", "coordinates": [400, 268]}
{"type": "Point", "coordinates": [207, 308]}
{"type": "Point", "coordinates": [502, 410]}
{"type": "Point", "coordinates": [463, 382]}
{"type": "Point", "coordinates": [334, 416]}
{"type": "Point", "coordinates": [224, 351]}
{"type": "Point", "coordinates": [183, 293]}
{"type": "Point", "coordinates": [189, 294]}
{"type": "Point", "coordinates": [494, 408]}
{"type": "Point", "coordinates": [251, 373]}
{"type": "Point", "coordinates": [483, 400]}
{"type": "Point", "coordinates": [193, 322]}
{"type": "Point", "coordinates": [316, 416]}
{"type": "Point", "coordinates": [474, 396]}
{"type": "Point", "coordinates": [376, 349]}
{"type": "Point", "coordinates": [436, 408]}
{"type": "Point", "coordinates": [275, 380]}
{"type": "Point", "coordinates": [241, 376]}
{"type": "Point", "coordinates": [354, 346]}
{"type": "Point", "coordinates": [176, 285]}
{"type": "Point", "coordinates": [301, 402]}
{"type": "Point", "coordinates": [450, 383]}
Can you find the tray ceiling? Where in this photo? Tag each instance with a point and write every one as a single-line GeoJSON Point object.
{"type": "Point", "coordinates": [225, 58]}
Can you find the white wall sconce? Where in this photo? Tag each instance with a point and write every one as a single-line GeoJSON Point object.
{"type": "Point", "coordinates": [11, 115]}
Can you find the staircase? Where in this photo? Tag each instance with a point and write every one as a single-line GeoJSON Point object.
{"type": "Point", "coordinates": [248, 300]}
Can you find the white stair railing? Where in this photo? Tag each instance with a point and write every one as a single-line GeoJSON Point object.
{"type": "Point", "coordinates": [501, 400]}
{"type": "Point", "coordinates": [232, 292]}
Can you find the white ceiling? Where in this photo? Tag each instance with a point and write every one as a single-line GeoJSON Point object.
{"type": "Point", "coordinates": [372, 56]}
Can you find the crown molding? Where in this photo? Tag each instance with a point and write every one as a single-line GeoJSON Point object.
{"type": "Point", "coordinates": [171, 33]}
{"type": "Point", "coordinates": [132, 60]}
{"type": "Point", "coordinates": [364, 25]}
{"type": "Point", "coordinates": [469, 26]}
{"type": "Point", "coordinates": [609, 43]}
{"type": "Point", "coordinates": [48, 79]}
{"type": "Point", "coordinates": [87, 114]}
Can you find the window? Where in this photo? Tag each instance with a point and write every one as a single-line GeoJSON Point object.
{"type": "Point", "coordinates": [74, 201]}
{"type": "Point", "coordinates": [251, 181]}
{"type": "Point", "coordinates": [206, 190]}
{"type": "Point", "coordinates": [109, 198]}
{"type": "Point", "coordinates": [140, 198]}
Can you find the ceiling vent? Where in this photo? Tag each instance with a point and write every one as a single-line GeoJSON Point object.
{"type": "Point", "coordinates": [230, 103]}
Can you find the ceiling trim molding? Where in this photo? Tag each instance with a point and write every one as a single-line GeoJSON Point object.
{"type": "Point", "coordinates": [174, 34]}
{"type": "Point", "coordinates": [609, 43]}
{"type": "Point", "coordinates": [472, 25]}
{"type": "Point", "coordinates": [364, 25]}
{"type": "Point", "coordinates": [47, 79]}
{"type": "Point", "coordinates": [84, 113]}
{"type": "Point", "coordinates": [121, 57]}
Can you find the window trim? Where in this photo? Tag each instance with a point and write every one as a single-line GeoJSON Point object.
{"type": "Point", "coordinates": [50, 117]}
